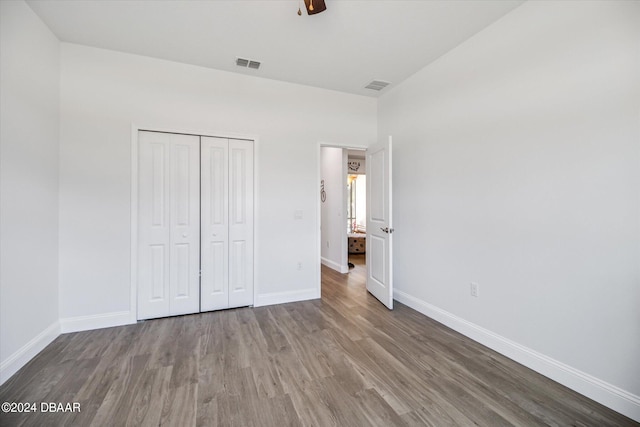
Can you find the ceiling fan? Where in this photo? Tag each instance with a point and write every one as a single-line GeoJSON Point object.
{"type": "Point", "coordinates": [313, 7]}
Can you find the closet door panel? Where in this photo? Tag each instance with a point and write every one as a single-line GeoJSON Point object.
{"type": "Point", "coordinates": [153, 228]}
{"type": "Point", "coordinates": [215, 222]}
{"type": "Point", "coordinates": [241, 223]}
{"type": "Point", "coordinates": [168, 224]}
{"type": "Point", "coordinates": [185, 218]}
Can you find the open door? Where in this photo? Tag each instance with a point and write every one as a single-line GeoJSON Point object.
{"type": "Point", "coordinates": [379, 224]}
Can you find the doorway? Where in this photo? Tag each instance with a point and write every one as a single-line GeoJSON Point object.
{"type": "Point", "coordinates": [379, 225]}
{"type": "Point", "coordinates": [356, 208]}
{"type": "Point", "coordinates": [343, 210]}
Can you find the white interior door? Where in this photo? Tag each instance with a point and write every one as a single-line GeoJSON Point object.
{"type": "Point", "coordinates": [240, 223]}
{"type": "Point", "coordinates": [227, 223]}
{"type": "Point", "coordinates": [214, 285]}
{"type": "Point", "coordinates": [379, 223]}
{"type": "Point", "coordinates": [168, 224]}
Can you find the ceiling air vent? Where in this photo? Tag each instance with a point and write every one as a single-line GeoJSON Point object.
{"type": "Point", "coordinates": [247, 63]}
{"type": "Point", "coordinates": [377, 85]}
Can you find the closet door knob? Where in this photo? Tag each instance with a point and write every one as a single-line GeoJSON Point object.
{"type": "Point", "coordinates": [184, 234]}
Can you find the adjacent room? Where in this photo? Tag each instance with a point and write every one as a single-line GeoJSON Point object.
{"type": "Point", "coordinates": [343, 207]}
{"type": "Point", "coordinates": [320, 212]}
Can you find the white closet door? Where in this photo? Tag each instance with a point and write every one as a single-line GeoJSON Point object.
{"type": "Point", "coordinates": [227, 223]}
{"type": "Point", "coordinates": [168, 224]}
{"type": "Point", "coordinates": [240, 223]}
{"type": "Point", "coordinates": [214, 245]}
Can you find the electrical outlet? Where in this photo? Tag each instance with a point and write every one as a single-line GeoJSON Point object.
{"type": "Point", "coordinates": [327, 243]}
{"type": "Point", "coordinates": [299, 266]}
{"type": "Point", "coordinates": [475, 289]}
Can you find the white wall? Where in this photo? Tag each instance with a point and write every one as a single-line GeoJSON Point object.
{"type": "Point", "coordinates": [334, 209]}
{"type": "Point", "coordinates": [29, 112]}
{"type": "Point", "coordinates": [105, 92]}
{"type": "Point", "coordinates": [517, 165]}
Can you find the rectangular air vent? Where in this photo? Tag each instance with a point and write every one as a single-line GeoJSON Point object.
{"type": "Point", "coordinates": [377, 85]}
{"type": "Point", "coordinates": [247, 63]}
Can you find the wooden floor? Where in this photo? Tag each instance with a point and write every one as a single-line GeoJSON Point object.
{"type": "Point", "coordinates": [344, 360]}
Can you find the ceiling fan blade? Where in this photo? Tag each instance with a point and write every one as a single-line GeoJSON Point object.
{"type": "Point", "coordinates": [314, 6]}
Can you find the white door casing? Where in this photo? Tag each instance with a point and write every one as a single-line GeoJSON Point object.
{"type": "Point", "coordinates": [379, 250]}
{"type": "Point", "coordinates": [168, 224]}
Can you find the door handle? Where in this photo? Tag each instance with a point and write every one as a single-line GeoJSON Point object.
{"type": "Point", "coordinates": [387, 230]}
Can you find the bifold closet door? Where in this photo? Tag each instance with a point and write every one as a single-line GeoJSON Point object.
{"type": "Point", "coordinates": [168, 224]}
{"type": "Point", "coordinates": [227, 223]}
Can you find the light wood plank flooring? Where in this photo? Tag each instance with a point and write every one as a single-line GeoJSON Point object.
{"type": "Point", "coordinates": [344, 360]}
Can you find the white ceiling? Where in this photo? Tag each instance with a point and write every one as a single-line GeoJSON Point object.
{"type": "Point", "coordinates": [344, 48]}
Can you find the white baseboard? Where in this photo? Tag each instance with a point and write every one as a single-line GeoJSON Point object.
{"type": "Point", "coordinates": [96, 321]}
{"type": "Point", "coordinates": [28, 351]}
{"type": "Point", "coordinates": [602, 392]}
{"type": "Point", "coordinates": [334, 265]}
{"type": "Point", "coordinates": [285, 297]}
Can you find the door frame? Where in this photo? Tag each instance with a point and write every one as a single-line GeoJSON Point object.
{"type": "Point", "coordinates": [135, 128]}
{"type": "Point", "coordinates": [320, 145]}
